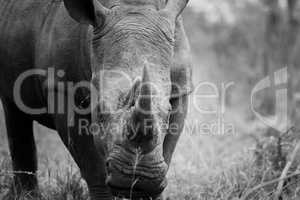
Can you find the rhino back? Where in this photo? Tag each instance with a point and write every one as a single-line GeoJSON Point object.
{"type": "Point", "coordinates": [19, 28]}
{"type": "Point", "coordinates": [37, 34]}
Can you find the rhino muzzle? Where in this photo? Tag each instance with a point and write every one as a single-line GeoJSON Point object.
{"type": "Point", "coordinates": [135, 175]}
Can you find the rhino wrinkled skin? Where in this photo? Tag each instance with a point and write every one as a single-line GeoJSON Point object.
{"type": "Point", "coordinates": [80, 40]}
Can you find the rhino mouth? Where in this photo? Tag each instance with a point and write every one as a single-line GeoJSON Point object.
{"type": "Point", "coordinates": [143, 179]}
{"type": "Point", "coordinates": [124, 186]}
{"type": "Point", "coordinates": [135, 195]}
{"type": "Point", "coordinates": [136, 189]}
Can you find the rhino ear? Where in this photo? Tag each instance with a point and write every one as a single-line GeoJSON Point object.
{"type": "Point", "coordinates": [175, 7]}
{"type": "Point", "coordinates": [87, 11]}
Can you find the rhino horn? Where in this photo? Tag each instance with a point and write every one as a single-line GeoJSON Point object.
{"type": "Point", "coordinates": [144, 99]}
{"type": "Point", "coordinates": [142, 115]}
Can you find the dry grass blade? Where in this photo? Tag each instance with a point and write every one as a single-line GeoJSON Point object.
{"type": "Point", "coordinates": [285, 171]}
{"type": "Point", "coordinates": [268, 183]}
{"type": "Point", "coordinates": [12, 173]}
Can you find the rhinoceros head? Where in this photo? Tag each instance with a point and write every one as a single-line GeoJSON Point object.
{"type": "Point", "coordinates": [132, 50]}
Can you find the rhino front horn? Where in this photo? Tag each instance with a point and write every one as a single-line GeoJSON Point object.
{"type": "Point", "coordinates": [142, 117]}
{"type": "Point", "coordinates": [144, 102]}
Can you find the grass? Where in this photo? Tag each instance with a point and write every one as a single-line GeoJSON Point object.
{"type": "Point", "coordinates": [59, 184]}
{"type": "Point", "coordinates": [213, 168]}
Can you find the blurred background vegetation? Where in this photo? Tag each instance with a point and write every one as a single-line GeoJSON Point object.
{"type": "Point", "coordinates": [232, 41]}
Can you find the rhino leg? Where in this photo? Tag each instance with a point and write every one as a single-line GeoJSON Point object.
{"type": "Point", "coordinates": [81, 146]}
{"type": "Point", "coordinates": [181, 76]}
{"type": "Point", "coordinates": [22, 148]}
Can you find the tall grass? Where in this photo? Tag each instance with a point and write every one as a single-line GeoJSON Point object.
{"type": "Point", "coordinates": [208, 174]}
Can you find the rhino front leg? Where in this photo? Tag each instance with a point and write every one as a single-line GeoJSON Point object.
{"type": "Point", "coordinates": [81, 146]}
{"type": "Point", "coordinates": [181, 78]}
{"type": "Point", "coordinates": [22, 148]}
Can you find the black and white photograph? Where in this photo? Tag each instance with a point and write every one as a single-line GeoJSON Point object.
{"type": "Point", "coordinates": [149, 100]}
